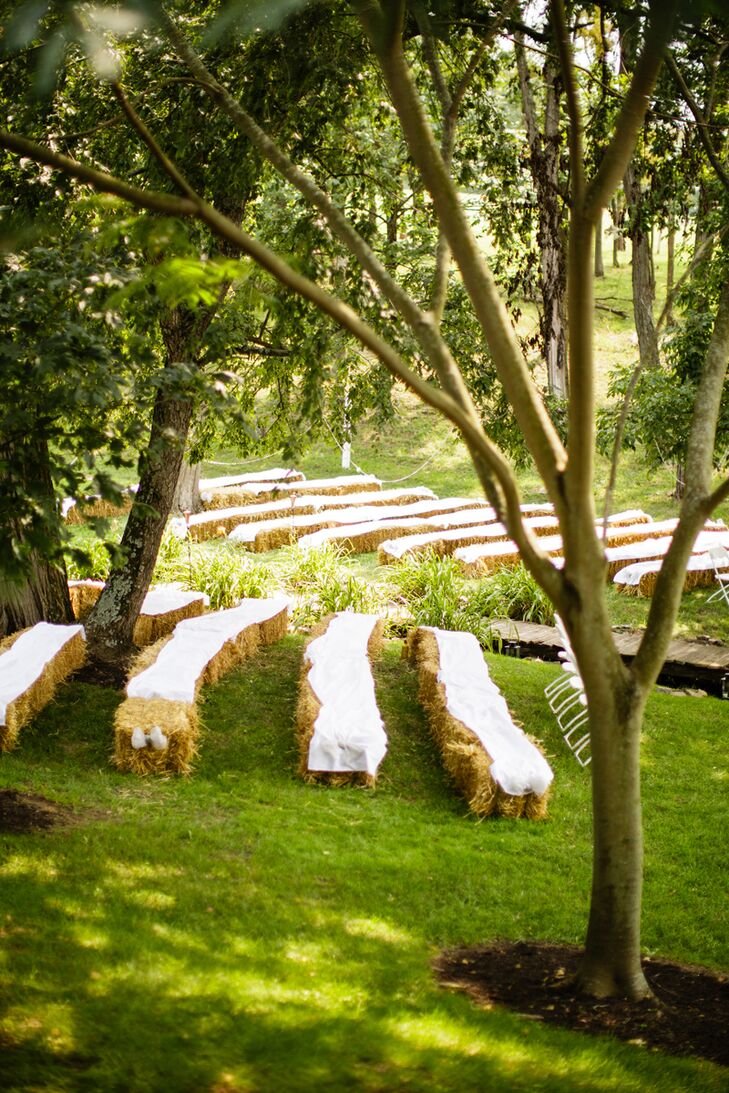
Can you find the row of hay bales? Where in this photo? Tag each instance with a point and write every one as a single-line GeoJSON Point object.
{"type": "Point", "coordinates": [214, 492]}
{"type": "Point", "coordinates": [33, 663]}
{"type": "Point", "coordinates": [494, 765]}
{"type": "Point", "coordinates": [342, 738]}
{"type": "Point", "coordinates": [156, 726]}
{"type": "Point", "coordinates": [163, 607]}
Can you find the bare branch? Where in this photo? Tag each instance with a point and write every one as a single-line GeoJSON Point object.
{"type": "Point", "coordinates": [632, 114]}
{"type": "Point", "coordinates": [490, 310]}
{"type": "Point", "coordinates": [99, 180]}
{"type": "Point", "coordinates": [702, 128]}
{"type": "Point", "coordinates": [165, 162]}
{"type": "Point", "coordinates": [574, 112]}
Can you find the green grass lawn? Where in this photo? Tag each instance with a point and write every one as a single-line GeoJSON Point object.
{"type": "Point", "coordinates": [241, 931]}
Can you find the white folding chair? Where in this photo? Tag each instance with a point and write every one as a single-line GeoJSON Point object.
{"type": "Point", "coordinates": [567, 700]}
{"type": "Point", "coordinates": [720, 560]}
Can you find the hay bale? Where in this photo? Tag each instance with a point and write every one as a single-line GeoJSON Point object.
{"type": "Point", "coordinates": [32, 666]}
{"type": "Point", "coordinates": [162, 609]}
{"type": "Point", "coordinates": [273, 474]}
{"type": "Point", "coordinates": [83, 596]}
{"type": "Point", "coordinates": [156, 727]}
{"type": "Point", "coordinates": [366, 537]}
{"type": "Point", "coordinates": [272, 491]}
{"type": "Point", "coordinates": [640, 578]}
{"type": "Point", "coordinates": [492, 762]}
{"type": "Point", "coordinates": [344, 645]}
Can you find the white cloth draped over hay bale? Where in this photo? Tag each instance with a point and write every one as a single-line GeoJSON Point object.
{"type": "Point", "coordinates": [342, 739]}
{"type": "Point", "coordinates": [480, 561]}
{"type": "Point", "coordinates": [271, 491]}
{"type": "Point", "coordinates": [451, 539]}
{"type": "Point", "coordinates": [156, 727]}
{"type": "Point", "coordinates": [620, 557]}
{"type": "Point", "coordinates": [271, 534]}
{"type": "Point", "coordinates": [494, 764]}
{"type": "Point", "coordinates": [209, 524]}
{"type": "Point", "coordinates": [363, 538]}
{"type": "Point", "coordinates": [640, 578]}
{"type": "Point", "coordinates": [273, 474]}
{"type": "Point", "coordinates": [32, 664]}
{"type": "Point", "coordinates": [162, 608]}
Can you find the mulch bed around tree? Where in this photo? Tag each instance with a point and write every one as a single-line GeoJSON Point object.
{"type": "Point", "coordinates": [103, 675]}
{"type": "Point", "coordinates": [25, 813]}
{"type": "Point", "coordinates": [690, 1016]}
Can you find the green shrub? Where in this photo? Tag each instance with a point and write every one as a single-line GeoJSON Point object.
{"type": "Point", "coordinates": [173, 559]}
{"type": "Point", "coordinates": [324, 583]}
{"type": "Point", "coordinates": [89, 559]}
{"type": "Point", "coordinates": [435, 594]}
{"type": "Point", "coordinates": [513, 594]}
{"type": "Point", "coordinates": [226, 575]}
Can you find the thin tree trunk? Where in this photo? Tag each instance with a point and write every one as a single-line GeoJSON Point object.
{"type": "Point", "coordinates": [670, 270]}
{"type": "Point", "coordinates": [599, 266]}
{"type": "Point", "coordinates": [187, 493]}
{"type": "Point", "coordinates": [43, 595]}
{"type": "Point", "coordinates": [611, 963]}
{"type": "Point", "coordinates": [544, 152]}
{"type": "Point", "coordinates": [641, 273]}
{"type": "Point", "coordinates": [110, 626]}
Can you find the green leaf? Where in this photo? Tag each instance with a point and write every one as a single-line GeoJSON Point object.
{"type": "Point", "coordinates": [23, 26]}
{"type": "Point", "coordinates": [248, 17]}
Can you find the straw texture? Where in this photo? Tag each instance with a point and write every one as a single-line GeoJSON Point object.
{"type": "Point", "coordinates": [150, 628]}
{"type": "Point", "coordinates": [273, 491]}
{"type": "Point", "coordinates": [307, 711]}
{"type": "Point", "coordinates": [464, 756]}
{"type": "Point", "coordinates": [24, 708]}
{"type": "Point", "coordinates": [179, 721]}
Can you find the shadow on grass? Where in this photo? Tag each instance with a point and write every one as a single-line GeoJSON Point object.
{"type": "Point", "coordinates": [241, 931]}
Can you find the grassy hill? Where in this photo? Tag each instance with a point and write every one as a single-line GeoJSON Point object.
{"type": "Point", "coordinates": [240, 930]}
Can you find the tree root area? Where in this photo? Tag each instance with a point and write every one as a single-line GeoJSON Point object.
{"type": "Point", "coordinates": [688, 1016]}
{"type": "Point", "coordinates": [101, 674]}
{"type": "Point", "coordinates": [25, 813]}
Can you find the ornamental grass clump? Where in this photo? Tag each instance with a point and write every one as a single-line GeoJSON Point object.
{"type": "Point", "coordinates": [512, 593]}
{"type": "Point", "coordinates": [227, 577]}
{"type": "Point", "coordinates": [324, 584]}
{"type": "Point", "coordinates": [433, 593]}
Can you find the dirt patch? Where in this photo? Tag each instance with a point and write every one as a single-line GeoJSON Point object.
{"type": "Point", "coordinates": [689, 1017]}
{"type": "Point", "coordinates": [24, 813]}
{"type": "Point", "coordinates": [102, 674]}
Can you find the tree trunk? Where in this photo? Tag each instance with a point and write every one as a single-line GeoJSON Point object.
{"type": "Point", "coordinates": [187, 494]}
{"type": "Point", "coordinates": [599, 266]}
{"type": "Point", "coordinates": [544, 151]}
{"type": "Point", "coordinates": [641, 274]}
{"type": "Point", "coordinates": [611, 963]}
{"type": "Point", "coordinates": [43, 594]}
{"type": "Point", "coordinates": [670, 270]}
{"type": "Point", "coordinates": [617, 214]}
{"type": "Point", "coordinates": [110, 626]}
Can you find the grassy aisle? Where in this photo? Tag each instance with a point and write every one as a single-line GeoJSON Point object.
{"type": "Point", "coordinates": [240, 931]}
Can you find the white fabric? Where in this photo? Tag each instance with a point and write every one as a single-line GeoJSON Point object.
{"type": "Point", "coordinates": [23, 664]}
{"type": "Point", "coordinates": [368, 497]}
{"type": "Point", "coordinates": [194, 643]}
{"type": "Point", "coordinates": [314, 484]}
{"type": "Point", "coordinates": [275, 474]}
{"type": "Point", "coordinates": [159, 601]}
{"type": "Point", "coordinates": [468, 554]}
{"type": "Point", "coordinates": [474, 699]}
{"type": "Point", "coordinates": [349, 734]}
{"type": "Point", "coordinates": [632, 574]}
{"type": "Point", "coordinates": [351, 531]}
{"type": "Point", "coordinates": [629, 514]}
